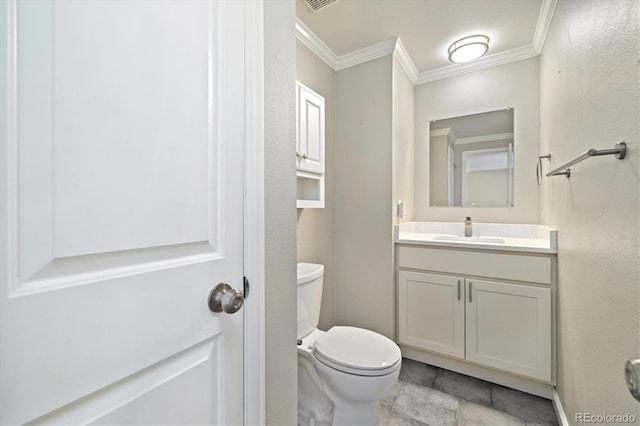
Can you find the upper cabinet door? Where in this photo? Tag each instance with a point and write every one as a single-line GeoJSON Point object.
{"type": "Point", "coordinates": [310, 150]}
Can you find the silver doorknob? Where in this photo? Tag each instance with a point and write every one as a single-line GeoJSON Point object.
{"type": "Point", "coordinates": [225, 298]}
{"type": "Point", "coordinates": [632, 377]}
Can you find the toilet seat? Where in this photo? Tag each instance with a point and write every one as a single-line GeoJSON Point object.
{"type": "Point", "coordinates": [357, 351]}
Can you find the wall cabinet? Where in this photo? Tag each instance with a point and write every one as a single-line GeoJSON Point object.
{"type": "Point", "coordinates": [310, 138]}
{"type": "Point", "coordinates": [499, 324]}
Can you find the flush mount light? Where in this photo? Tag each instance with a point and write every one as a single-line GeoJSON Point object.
{"type": "Point", "coordinates": [468, 48]}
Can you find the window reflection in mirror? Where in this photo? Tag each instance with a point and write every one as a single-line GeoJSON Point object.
{"type": "Point", "coordinates": [471, 160]}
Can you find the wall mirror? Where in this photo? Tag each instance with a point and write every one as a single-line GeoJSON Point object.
{"type": "Point", "coordinates": [471, 160]}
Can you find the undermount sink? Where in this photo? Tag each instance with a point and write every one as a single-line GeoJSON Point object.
{"type": "Point", "coordinates": [474, 239]}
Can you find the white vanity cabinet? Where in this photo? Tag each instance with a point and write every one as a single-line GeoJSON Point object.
{"type": "Point", "coordinates": [310, 134]}
{"type": "Point", "coordinates": [490, 309]}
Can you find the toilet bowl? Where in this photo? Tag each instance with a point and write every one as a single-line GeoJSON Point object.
{"type": "Point", "coordinates": [344, 372]}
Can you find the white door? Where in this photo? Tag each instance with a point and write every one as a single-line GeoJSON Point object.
{"type": "Point", "coordinates": [121, 208]}
{"type": "Point", "coordinates": [431, 312]}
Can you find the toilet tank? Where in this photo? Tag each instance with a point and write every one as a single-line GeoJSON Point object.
{"type": "Point", "coordinates": [309, 297]}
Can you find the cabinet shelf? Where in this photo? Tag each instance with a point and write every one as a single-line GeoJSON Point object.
{"type": "Point", "coordinates": [310, 188]}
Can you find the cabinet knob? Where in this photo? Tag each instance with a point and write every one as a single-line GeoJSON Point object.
{"type": "Point", "coordinates": [298, 154]}
{"type": "Point", "coordinates": [304, 156]}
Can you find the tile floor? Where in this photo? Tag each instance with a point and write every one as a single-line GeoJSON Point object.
{"type": "Point", "coordinates": [428, 395]}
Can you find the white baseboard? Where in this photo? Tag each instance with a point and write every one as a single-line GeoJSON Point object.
{"type": "Point", "coordinates": [557, 404]}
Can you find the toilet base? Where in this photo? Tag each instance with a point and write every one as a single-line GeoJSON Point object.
{"type": "Point", "coordinates": [314, 408]}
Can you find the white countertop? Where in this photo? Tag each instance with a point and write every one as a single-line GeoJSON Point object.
{"type": "Point", "coordinates": [486, 236]}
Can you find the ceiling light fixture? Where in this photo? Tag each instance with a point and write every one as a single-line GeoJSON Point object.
{"type": "Point", "coordinates": [468, 48]}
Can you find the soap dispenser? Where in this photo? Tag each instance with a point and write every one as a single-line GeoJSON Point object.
{"type": "Point", "coordinates": [468, 227]}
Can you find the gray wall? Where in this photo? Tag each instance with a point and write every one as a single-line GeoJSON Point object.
{"type": "Point", "coordinates": [402, 106]}
{"type": "Point", "coordinates": [364, 243]}
{"type": "Point", "coordinates": [589, 98]}
{"type": "Point", "coordinates": [517, 85]}
{"type": "Point", "coordinates": [280, 216]}
{"type": "Point", "coordinates": [316, 227]}
{"type": "Point", "coordinates": [374, 157]}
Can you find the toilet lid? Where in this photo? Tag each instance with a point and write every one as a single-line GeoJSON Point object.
{"type": "Point", "coordinates": [357, 351]}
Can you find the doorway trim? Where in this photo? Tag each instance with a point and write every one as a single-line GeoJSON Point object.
{"type": "Point", "coordinates": [464, 174]}
{"type": "Point", "coordinates": [254, 225]}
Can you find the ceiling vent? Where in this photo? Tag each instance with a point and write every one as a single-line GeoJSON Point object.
{"type": "Point", "coordinates": [316, 5]}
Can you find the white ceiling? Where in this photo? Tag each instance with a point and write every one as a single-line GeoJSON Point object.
{"type": "Point", "coordinates": [426, 28]}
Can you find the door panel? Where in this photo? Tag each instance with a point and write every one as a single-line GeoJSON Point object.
{"type": "Point", "coordinates": [123, 151]}
{"type": "Point", "coordinates": [431, 312]}
{"type": "Point", "coordinates": [509, 327]}
{"type": "Point", "coordinates": [127, 401]}
{"type": "Point", "coordinates": [109, 128]}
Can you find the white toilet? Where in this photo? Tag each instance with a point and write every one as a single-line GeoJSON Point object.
{"type": "Point", "coordinates": [342, 373]}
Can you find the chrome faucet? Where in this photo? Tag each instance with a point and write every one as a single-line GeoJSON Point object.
{"type": "Point", "coordinates": [468, 227]}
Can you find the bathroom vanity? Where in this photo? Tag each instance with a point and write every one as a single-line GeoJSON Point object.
{"type": "Point", "coordinates": [481, 305]}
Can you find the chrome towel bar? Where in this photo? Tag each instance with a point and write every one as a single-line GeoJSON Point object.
{"type": "Point", "coordinates": [619, 151]}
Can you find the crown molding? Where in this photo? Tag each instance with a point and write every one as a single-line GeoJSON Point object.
{"type": "Point", "coordinates": [534, 49]}
{"type": "Point", "coordinates": [448, 132]}
{"type": "Point", "coordinates": [440, 132]}
{"type": "Point", "coordinates": [317, 46]}
{"type": "Point", "coordinates": [489, 61]}
{"type": "Point", "coordinates": [395, 46]}
{"type": "Point", "coordinates": [365, 55]}
{"type": "Point", "coordinates": [544, 22]}
{"type": "Point", "coordinates": [401, 54]}
{"type": "Point", "coordinates": [337, 63]}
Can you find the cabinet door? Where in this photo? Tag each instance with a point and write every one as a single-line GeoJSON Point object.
{"type": "Point", "coordinates": [509, 327]}
{"type": "Point", "coordinates": [431, 312]}
{"type": "Point", "coordinates": [310, 130]}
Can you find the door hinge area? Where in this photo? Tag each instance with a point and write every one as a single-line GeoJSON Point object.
{"type": "Point", "coordinates": [245, 290]}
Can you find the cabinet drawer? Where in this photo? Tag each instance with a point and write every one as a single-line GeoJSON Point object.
{"type": "Point", "coordinates": [517, 267]}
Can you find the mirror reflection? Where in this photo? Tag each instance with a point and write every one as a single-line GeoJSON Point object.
{"type": "Point", "coordinates": [471, 160]}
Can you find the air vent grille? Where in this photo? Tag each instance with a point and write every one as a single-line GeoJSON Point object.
{"type": "Point", "coordinates": [316, 5]}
